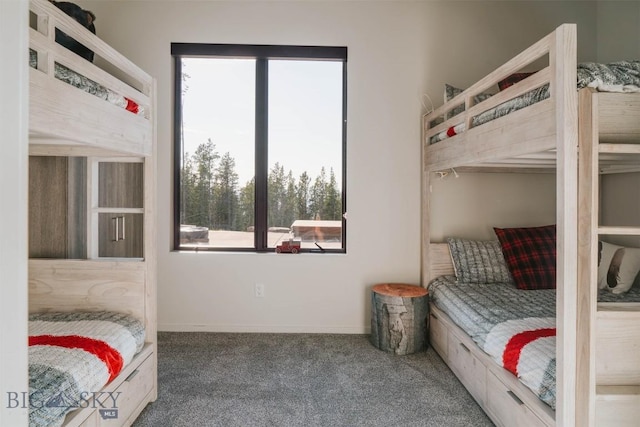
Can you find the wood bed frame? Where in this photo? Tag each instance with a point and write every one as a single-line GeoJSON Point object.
{"type": "Point", "coordinates": [576, 135]}
{"type": "Point", "coordinates": [64, 118]}
{"type": "Point", "coordinates": [65, 121]}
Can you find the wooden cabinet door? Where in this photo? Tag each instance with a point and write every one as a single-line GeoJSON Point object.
{"type": "Point", "coordinates": [120, 235]}
{"type": "Point", "coordinates": [120, 185]}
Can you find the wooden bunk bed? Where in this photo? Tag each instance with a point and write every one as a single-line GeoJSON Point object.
{"type": "Point", "coordinates": [92, 196]}
{"type": "Point", "coordinates": [577, 135]}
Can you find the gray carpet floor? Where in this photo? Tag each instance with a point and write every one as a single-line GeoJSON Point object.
{"type": "Point", "coordinates": [217, 379]}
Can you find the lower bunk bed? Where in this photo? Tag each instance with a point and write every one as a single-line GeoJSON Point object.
{"type": "Point", "coordinates": [501, 341]}
{"type": "Point", "coordinates": [88, 369]}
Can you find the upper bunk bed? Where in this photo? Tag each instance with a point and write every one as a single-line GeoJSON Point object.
{"type": "Point", "coordinates": [106, 108]}
{"type": "Point", "coordinates": [519, 126]}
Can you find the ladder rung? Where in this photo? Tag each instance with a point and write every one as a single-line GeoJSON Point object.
{"type": "Point", "coordinates": [619, 231]}
{"type": "Point", "coordinates": [619, 148]}
{"type": "Point", "coordinates": [618, 390]}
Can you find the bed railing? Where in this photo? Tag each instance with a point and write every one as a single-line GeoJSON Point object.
{"type": "Point", "coordinates": [133, 81]}
{"type": "Point", "coordinates": [503, 137]}
{"type": "Point", "coordinates": [51, 120]}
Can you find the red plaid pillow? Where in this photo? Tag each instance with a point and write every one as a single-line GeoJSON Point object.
{"type": "Point", "coordinates": [530, 254]}
{"type": "Point", "coordinates": [512, 79]}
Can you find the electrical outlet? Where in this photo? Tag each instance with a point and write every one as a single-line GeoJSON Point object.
{"type": "Point", "coordinates": [259, 288]}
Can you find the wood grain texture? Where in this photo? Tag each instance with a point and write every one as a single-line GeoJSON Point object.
{"type": "Point", "coordinates": [48, 204]}
{"type": "Point", "coordinates": [77, 208]}
{"type": "Point", "coordinates": [425, 215]}
{"type": "Point", "coordinates": [399, 290]}
{"type": "Point", "coordinates": [617, 347]}
{"type": "Point", "coordinates": [618, 115]}
{"type": "Point", "coordinates": [130, 235]}
{"type": "Point", "coordinates": [120, 185]}
{"type": "Point", "coordinates": [503, 138]}
{"type": "Point", "coordinates": [617, 406]}
{"type": "Point", "coordinates": [398, 323]}
{"type": "Point", "coordinates": [60, 112]}
{"type": "Point", "coordinates": [588, 193]}
{"type": "Point", "coordinates": [69, 285]}
{"type": "Point", "coordinates": [150, 241]}
{"type": "Point", "coordinates": [563, 61]}
{"type": "Point", "coordinates": [440, 263]}
{"type": "Point", "coordinates": [468, 368]}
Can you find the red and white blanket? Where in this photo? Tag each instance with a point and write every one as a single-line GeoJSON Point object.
{"type": "Point", "coordinates": [527, 348]}
{"type": "Point", "coordinates": [72, 356]}
{"type": "Point", "coordinates": [89, 86]}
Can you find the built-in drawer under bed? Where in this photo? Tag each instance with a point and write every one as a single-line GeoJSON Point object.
{"type": "Point", "coordinates": [515, 327]}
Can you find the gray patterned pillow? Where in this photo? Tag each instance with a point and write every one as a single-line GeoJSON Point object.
{"type": "Point", "coordinates": [451, 92]}
{"type": "Point", "coordinates": [478, 261]}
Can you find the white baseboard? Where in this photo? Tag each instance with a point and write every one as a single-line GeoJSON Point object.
{"type": "Point", "coordinates": [285, 329]}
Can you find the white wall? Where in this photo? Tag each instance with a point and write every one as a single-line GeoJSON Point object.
{"type": "Point", "coordinates": [398, 50]}
{"type": "Point", "coordinates": [309, 292]}
{"type": "Point", "coordinates": [618, 30]}
{"type": "Point", "coordinates": [472, 204]}
{"type": "Point", "coordinates": [13, 215]}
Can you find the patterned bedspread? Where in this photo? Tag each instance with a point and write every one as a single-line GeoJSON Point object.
{"type": "Point", "coordinates": [515, 327]}
{"type": "Point", "coordinates": [72, 356]}
{"type": "Point", "coordinates": [81, 82]}
{"type": "Point", "coordinates": [623, 76]}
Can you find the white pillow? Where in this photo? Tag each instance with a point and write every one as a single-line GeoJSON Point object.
{"type": "Point", "coordinates": [617, 267]}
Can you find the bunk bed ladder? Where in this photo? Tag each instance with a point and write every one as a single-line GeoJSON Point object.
{"type": "Point", "coordinates": [608, 391]}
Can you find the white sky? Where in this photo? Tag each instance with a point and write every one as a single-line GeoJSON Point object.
{"type": "Point", "coordinates": [305, 113]}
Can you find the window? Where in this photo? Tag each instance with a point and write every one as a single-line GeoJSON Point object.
{"type": "Point", "coordinates": [260, 143]}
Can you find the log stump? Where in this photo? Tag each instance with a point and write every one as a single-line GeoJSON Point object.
{"type": "Point", "coordinates": [399, 318]}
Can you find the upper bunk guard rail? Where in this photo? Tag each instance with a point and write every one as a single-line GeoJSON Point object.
{"type": "Point", "coordinates": [502, 140]}
{"type": "Point", "coordinates": [63, 56]}
{"type": "Point", "coordinates": [64, 120]}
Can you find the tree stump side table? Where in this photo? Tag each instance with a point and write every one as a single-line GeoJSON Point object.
{"type": "Point", "coordinates": [399, 317]}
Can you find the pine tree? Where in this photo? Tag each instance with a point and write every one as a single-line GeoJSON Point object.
{"type": "Point", "coordinates": [246, 206]}
{"type": "Point", "coordinates": [289, 202]}
{"type": "Point", "coordinates": [302, 196]}
{"type": "Point", "coordinates": [332, 208]}
{"type": "Point", "coordinates": [276, 197]}
{"type": "Point", "coordinates": [204, 161]}
{"type": "Point", "coordinates": [225, 197]}
{"type": "Point", "coordinates": [318, 195]}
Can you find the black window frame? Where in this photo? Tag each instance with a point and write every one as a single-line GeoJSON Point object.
{"type": "Point", "coordinates": [262, 54]}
